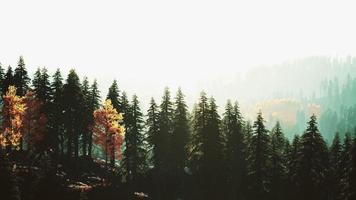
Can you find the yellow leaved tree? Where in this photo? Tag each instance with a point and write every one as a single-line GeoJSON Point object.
{"type": "Point", "coordinates": [13, 113]}
{"type": "Point", "coordinates": [107, 131]}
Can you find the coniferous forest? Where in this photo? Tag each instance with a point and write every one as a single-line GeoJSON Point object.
{"type": "Point", "coordinates": [61, 138]}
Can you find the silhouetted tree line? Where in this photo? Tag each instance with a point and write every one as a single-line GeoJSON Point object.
{"type": "Point", "coordinates": [172, 153]}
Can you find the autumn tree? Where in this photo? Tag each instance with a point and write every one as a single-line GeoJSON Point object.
{"type": "Point", "coordinates": [13, 114]}
{"type": "Point", "coordinates": [34, 123]}
{"type": "Point", "coordinates": [108, 133]}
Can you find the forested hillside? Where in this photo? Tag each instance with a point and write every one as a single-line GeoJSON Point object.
{"type": "Point", "coordinates": [60, 139]}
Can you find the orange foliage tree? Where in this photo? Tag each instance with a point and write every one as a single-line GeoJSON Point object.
{"type": "Point", "coordinates": [34, 123]}
{"type": "Point", "coordinates": [107, 131]}
{"type": "Point", "coordinates": [13, 114]}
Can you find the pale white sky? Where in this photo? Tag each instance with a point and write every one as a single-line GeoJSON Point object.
{"type": "Point", "coordinates": [150, 44]}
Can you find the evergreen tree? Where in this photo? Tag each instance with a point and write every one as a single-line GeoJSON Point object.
{"type": "Point", "coordinates": [165, 130]}
{"type": "Point", "coordinates": [21, 79]}
{"type": "Point", "coordinates": [8, 80]}
{"type": "Point", "coordinates": [213, 154]}
{"type": "Point", "coordinates": [124, 108]}
{"type": "Point", "coordinates": [335, 168]}
{"type": "Point", "coordinates": [42, 91]}
{"type": "Point", "coordinates": [135, 152]}
{"type": "Point", "coordinates": [313, 162]}
{"type": "Point", "coordinates": [153, 130]}
{"type": "Point", "coordinates": [259, 161]}
{"type": "Point", "coordinates": [199, 126]}
{"type": "Point", "coordinates": [42, 87]}
{"type": "Point", "coordinates": [346, 164]}
{"type": "Point", "coordinates": [94, 104]}
{"type": "Point", "coordinates": [207, 149]}
{"type": "Point", "coordinates": [278, 168]}
{"type": "Point", "coordinates": [235, 151]}
{"type": "Point", "coordinates": [87, 115]}
{"type": "Point", "coordinates": [2, 76]}
{"type": "Point", "coordinates": [352, 183]}
{"type": "Point", "coordinates": [73, 107]}
{"type": "Point", "coordinates": [179, 141]}
{"type": "Point", "coordinates": [162, 147]}
{"type": "Point", "coordinates": [114, 95]}
{"type": "Point", "coordinates": [292, 168]}
{"type": "Point", "coordinates": [56, 114]}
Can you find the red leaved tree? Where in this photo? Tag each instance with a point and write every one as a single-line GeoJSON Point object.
{"type": "Point", "coordinates": [107, 131]}
{"type": "Point", "coordinates": [34, 123]}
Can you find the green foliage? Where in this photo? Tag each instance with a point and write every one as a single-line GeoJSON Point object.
{"type": "Point", "coordinates": [312, 163]}
{"type": "Point", "coordinates": [259, 160]}
{"type": "Point", "coordinates": [21, 79]}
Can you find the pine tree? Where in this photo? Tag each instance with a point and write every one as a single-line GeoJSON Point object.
{"type": "Point", "coordinates": [114, 95]}
{"type": "Point", "coordinates": [313, 162]}
{"type": "Point", "coordinates": [199, 126]}
{"type": "Point", "coordinates": [152, 124]}
{"type": "Point", "coordinates": [21, 79]}
{"type": "Point", "coordinates": [42, 92]}
{"type": "Point", "coordinates": [8, 80]}
{"type": "Point", "coordinates": [235, 151]}
{"type": "Point", "coordinates": [352, 183]}
{"type": "Point", "coordinates": [94, 104]}
{"type": "Point", "coordinates": [207, 149]}
{"type": "Point", "coordinates": [73, 107]}
{"type": "Point", "coordinates": [42, 88]}
{"type": "Point", "coordinates": [87, 115]}
{"type": "Point", "coordinates": [213, 153]}
{"type": "Point", "coordinates": [291, 160]}
{"type": "Point", "coordinates": [135, 152]}
{"type": "Point", "coordinates": [278, 168]}
{"type": "Point", "coordinates": [165, 130]}
{"type": "Point", "coordinates": [346, 157]}
{"type": "Point", "coordinates": [2, 76]}
{"type": "Point", "coordinates": [335, 168]}
{"type": "Point", "coordinates": [124, 107]}
{"type": "Point", "coordinates": [56, 114]}
{"type": "Point", "coordinates": [163, 166]}
{"type": "Point", "coordinates": [179, 142]}
{"type": "Point", "coordinates": [259, 161]}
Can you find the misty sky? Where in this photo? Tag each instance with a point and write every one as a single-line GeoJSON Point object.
{"type": "Point", "coordinates": [150, 44]}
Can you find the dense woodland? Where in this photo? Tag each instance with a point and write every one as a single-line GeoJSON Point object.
{"type": "Point", "coordinates": [60, 141]}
